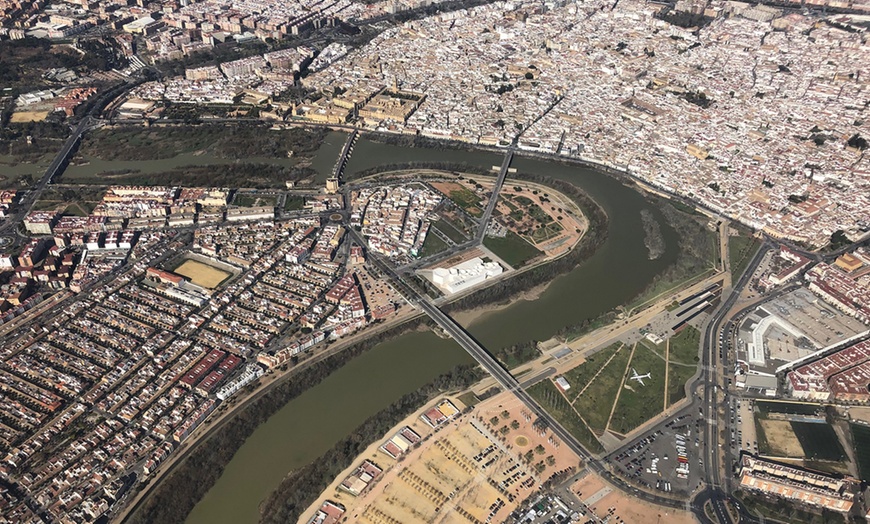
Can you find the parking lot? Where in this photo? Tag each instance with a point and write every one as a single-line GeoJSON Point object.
{"type": "Point", "coordinates": [821, 322]}
{"type": "Point", "coordinates": [790, 327]}
{"type": "Point", "coordinates": [667, 460]}
{"type": "Point", "coordinates": [742, 425]}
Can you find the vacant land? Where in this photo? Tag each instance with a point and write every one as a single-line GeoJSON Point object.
{"type": "Point", "coordinates": [741, 249]}
{"type": "Point", "coordinates": [255, 200]}
{"type": "Point", "coordinates": [512, 249]}
{"type": "Point", "coordinates": [616, 506]}
{"type": "Point", "coordinates": [551, 399]}
{"type": "Point", "coordinates": [448, 229]}
{"type": "Point", "coordinates": [293, 203]}
{"type": "Point", "coordinates": [685, 345]}
{"type": "Point", "coordinates": [596, 383]}
{"type": "Point", "coordinates": [28, 116]}
{"type": "Point", "coordinates": [596, 402]}
{"type": "Point", "coordinates": [432, 245]}
{"type": "Point", "coordinates": [639, 403]}
{"type": "Point", "coordinates": [677, 378]}
{"type": "Point", "coordinates": [861, 442]}
{"type": "Point", "coordinates": [78, 201]}
{"type": "Point", "coordinates": [580, 376]}
{"type": "Point", "coordinates": [459, 222]}
{"type": "Point", "coordinates": [201, 274]}
{"type": "Point", "coordinates": [780, 440]}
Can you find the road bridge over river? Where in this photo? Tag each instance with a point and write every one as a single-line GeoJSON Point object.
{"type": "Point", "coordinates": [53, 169]}
{"type": "Point", "coordinates": [504, 378]}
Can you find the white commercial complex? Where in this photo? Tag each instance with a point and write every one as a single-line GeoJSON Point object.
{"type": "Point", "coordinates": [464, 275]}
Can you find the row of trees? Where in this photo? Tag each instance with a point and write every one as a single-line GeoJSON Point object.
{"type": "Point", "coordinates": [407, 166]}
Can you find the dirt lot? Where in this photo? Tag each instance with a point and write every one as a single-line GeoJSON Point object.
{"type": "Point", "coordinates": [781, 438]}
{"type": "Point", "coordinates": [860, 414]}
{"type": "Point", "coordinates": [459, 258]}
{"type": "Point", "coordinates": [526, 437]}
{"type": "Point", "coordinates": [602, 498]}
{"type": "Point", "coordinates": [201, 274]}
{"type": "Point", "coordinates": [378, 292]}
{"type": "Point", "coordinates": [468, 467]}
{"type": "Point", "coordinates": [28, 116]}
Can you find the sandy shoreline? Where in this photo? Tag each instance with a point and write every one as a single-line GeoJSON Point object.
{"type": "Point", "coordinates": [468, 317]}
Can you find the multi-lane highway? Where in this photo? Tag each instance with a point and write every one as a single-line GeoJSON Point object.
{"type": "Point", "coordinates": [710, 382]}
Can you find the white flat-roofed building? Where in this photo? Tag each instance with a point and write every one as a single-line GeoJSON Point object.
{"type": "Point", "coordinates": [237, 214]}
{"type": "Point", "coordinates": [465, 275]}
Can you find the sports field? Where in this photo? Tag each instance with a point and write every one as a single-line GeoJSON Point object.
{"type": "Point", "coordinates": [28, 116]}
{"type": "Point", "coordinates": [861, 442]}
{"type": "Point", "coordinates": [201, 274]}
{"type": "Point", "coordinates": [819, 441]}
{"type": "Point", "coordinates": [780, 440]}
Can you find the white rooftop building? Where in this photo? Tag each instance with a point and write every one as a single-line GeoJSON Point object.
{"type": "Point", "coordinates": [464, 275]}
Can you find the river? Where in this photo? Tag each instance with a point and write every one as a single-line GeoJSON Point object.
{"type": "Point", "coordinates": [313, 422]}
{"type": "Point", "coordinates": [309, 425]}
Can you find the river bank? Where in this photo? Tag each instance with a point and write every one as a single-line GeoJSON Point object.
{"type": "Point", "coordinates": [613, 273]}
{"type": "Point", "coordinates": [469, 317]}
{"type": "Point", "coordinates": [302, 487]}
{"type": "Point", "coordinates": [203, 462]}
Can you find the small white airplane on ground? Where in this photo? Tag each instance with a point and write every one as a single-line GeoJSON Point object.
{"type": "Point", "coordinates": [639, 378]}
